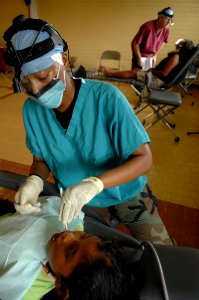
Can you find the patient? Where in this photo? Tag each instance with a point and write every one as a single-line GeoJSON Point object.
{"type": "Point", "coordinates": [88, 267]}
{"type": "Point", "coordinates": [83, 266]}
{"type": "Point", "coordinates": [165, 71]}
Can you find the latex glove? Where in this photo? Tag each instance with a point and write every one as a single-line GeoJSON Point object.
{"type": "Point", "coordinates": [27, 195]}
{"type": "Point", "coordinates": [75, 197]}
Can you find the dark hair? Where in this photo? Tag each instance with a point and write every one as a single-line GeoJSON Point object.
{"type": "Point", "coordinates": [168, 12]}
{"type": "Point", "coordinates": [185, 48]}
{"type": "Point", "coordinates": [186, 44]}
{"type": "Point", "coordinates": [108, 277]}
{"type": "Point", "coordinates": [18, 19]}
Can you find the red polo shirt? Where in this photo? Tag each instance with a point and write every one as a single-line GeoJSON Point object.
{"type": "Point", "coordinates": [149, 40]}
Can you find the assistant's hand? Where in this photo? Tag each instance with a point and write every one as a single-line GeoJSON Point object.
{"type": "Point", "coordinates": [75, 197]}
{"type": "Point", "coordinates": [27, 195]}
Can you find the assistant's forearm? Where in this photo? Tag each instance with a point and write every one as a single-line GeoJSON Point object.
{"type": "Point", "coordinates": [39, 168]}
{"type": "Point", "coordinates": [130, 170]}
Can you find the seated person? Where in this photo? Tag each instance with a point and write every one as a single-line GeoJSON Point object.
{"type": "Point", "coordinates": [81, 264]}
{"type": "Point", "coordinates": [77, 70]}
{"type": "Point", "coordinates": [165, 71]}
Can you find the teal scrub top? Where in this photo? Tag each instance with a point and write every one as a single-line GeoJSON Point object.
{"type": "Point", "coordinates": [103, 132]}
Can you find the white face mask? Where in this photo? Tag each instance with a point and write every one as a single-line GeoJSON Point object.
{"type": "Point", "coordinates": [51, 95]}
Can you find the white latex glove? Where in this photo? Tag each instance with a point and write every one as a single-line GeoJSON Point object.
{"type": "Point", "coordinates": [27, 195]}
{"type": "Point", "coordinates": [75, 197]}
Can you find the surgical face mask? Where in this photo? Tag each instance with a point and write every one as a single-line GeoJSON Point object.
{"type": "Point", "coordinates": [51, 95]}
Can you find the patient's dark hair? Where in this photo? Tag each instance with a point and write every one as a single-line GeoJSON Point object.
{"type": "Point", "coordinates": [108, 277]}
{"type": "Point", "coordinates": [18, 19]}
{"type": "Point", "coordinates": [186, 44]}
{"type": "Point", "coordinates": [185, 48]}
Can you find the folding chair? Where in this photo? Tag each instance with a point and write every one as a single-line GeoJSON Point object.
{"type": "Point", "coordinates": [162, 103]}
{"type": "Point", "coordinates": [111, 57]}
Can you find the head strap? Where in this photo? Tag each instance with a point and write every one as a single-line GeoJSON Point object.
{"type": "Point", "coordinates": [17, 58]}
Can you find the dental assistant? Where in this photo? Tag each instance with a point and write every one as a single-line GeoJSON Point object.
{"type": "Point", "coordinates": [84, 132]}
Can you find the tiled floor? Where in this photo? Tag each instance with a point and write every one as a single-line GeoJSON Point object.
{"type": "Point", "coordinates": [182, 223]}
{"type": "Point", "coordinates": [173, 178]}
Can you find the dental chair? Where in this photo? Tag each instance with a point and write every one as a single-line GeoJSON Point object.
{"type": "Point", "coordinates": [183, 73]}
{"type": "Point", "coordinates": [191, 73]}
{"type": "Point", "coordinates": [161, 272]}
{"type": "Point", "coordinates": [162, 101]}
{"type": "Point", "coordinates": [179, 81]}
{"type": "Point", "coordinates": [190, 78]}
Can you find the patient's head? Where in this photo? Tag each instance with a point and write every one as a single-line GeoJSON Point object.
{"type": "Point", "coordinates": [87, 267]}
{"type": "Point", "coordinates": [184, 44]}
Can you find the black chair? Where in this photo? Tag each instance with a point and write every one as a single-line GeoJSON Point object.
{"type": "Point", "coordinates": [192, 132]}
{"type": "Point", "coordinates": [190, 78]}
{"type": "Point", "coordinates": [161, 272]}
{"type": "Point", "coordinates": [178, 80]}
{"type": "Point", "coordinates": [162, 103]}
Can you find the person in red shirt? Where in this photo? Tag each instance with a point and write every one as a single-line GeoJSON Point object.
{"type": "Point", "coordinates": [149, 40]}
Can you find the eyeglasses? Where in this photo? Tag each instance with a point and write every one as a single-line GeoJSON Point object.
{"type": "Point", "coordinates": [43, 78]}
